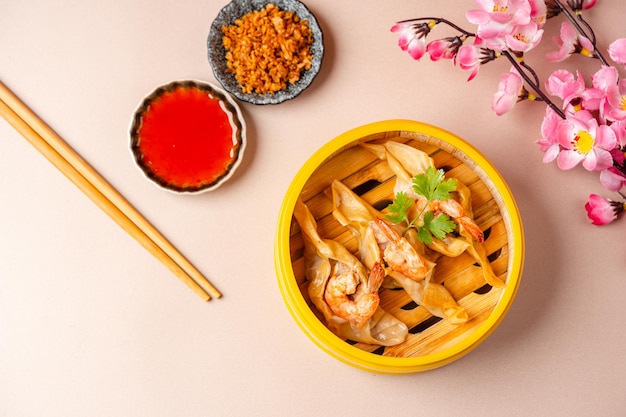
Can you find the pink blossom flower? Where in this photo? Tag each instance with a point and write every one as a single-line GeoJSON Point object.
{"type": "Point", "coordinates": [550, 141]}
{"type": "Point", "coordinates": [412, 37]}
{"type": "Point", "coordinates": [583, 140]}
{"type": "Point", "coordinates": [617, 51]}
{"type": "Point", "coordinates": [523, 38]}
{"type": "Point", "coordinates": [609, 93]}
{"type": "Point", "coordinates": [470, 56]}
{"type": "Point", "coordinates": [444, 48]}
{"type": "Point", "coordinates": [612, 179]}
{"type": "Point", "coordinates": [591, 99]}
{"type": "Point", "coordinates": [570, 42]}
{"type": "Point", "coordinates": [565, 85]}
{"type": "Point", "coordinates": [619, 128]}
{"type": "Point", "coordinates": [509, 24]}
{"type": "Point", "coordinates": [602, 211]}
{"type": "Point", "coordinates": [615, 110]}
{"type": "Point", "coordinates": [509, 89]}
{"type": "Point", "coordinates": [594, 98]}
{"type": "Point", "coordinates": [496, 18]}
{"type": "Point", "coordinates": [538, 12]}
{"type": "Point", "coordinates": [605, 77]}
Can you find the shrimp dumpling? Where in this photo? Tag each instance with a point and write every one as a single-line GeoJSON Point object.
{"type": "Point", "coordinates": [343, 290]}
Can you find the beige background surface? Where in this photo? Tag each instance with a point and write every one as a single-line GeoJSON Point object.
{"type": "Point", "coordinates": [92, 325]}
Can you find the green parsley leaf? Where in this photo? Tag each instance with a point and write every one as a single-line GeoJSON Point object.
{"type": "Point", "coordinates": [398, 209]}
{"type": "Point", "coordinates": [433, 186]}
{"type": "Point", "coordinates": [443, 190]}
{"type": "Point", "coordinates": [441, 225]}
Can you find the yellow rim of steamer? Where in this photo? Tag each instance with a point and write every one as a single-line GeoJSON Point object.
{"type": "Point", "coordinates": [318, 332]}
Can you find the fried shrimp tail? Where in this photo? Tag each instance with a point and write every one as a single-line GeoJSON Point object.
{"type": "Point", "coordinates": [456, 211]}
{"type": "Point", "coordinates": [347, 300]}
{"type": "Point", "coordinates": [400, 255]}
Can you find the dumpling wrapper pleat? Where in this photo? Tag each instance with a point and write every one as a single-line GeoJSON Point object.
{"type": "Point", "coordinates": [383, 328]}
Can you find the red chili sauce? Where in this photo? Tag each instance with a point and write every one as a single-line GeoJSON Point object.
{"type": "Point", "coordinates": [186, 138]}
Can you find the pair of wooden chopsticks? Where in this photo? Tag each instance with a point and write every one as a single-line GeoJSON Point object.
{"type": "Point", "coordinates": [75, 168]}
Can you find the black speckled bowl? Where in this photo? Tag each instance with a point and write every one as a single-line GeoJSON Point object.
{"type": "Point", "coordinates": [216, 51]}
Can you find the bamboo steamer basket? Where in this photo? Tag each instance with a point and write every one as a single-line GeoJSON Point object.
{"type": "Point", "coordinates": [431, 342]}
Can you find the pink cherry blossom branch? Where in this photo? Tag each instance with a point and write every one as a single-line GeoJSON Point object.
{"type": "Point", "coordinates": [590, 127]}
{"type": "Point", "coordinates": [438, 20]}
{"type": "Point", "coordinates": [589, 33]}
{"type": "Point", "coordinates": [533, 83]}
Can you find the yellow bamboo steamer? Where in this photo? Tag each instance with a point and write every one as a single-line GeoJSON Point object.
{"type": "Point", "coordinates": [431, 342]}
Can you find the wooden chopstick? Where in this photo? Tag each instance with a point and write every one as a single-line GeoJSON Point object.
{"type": "Point", "coordinates": [75, 168]}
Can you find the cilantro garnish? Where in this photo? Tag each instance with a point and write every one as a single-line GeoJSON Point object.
{"type": "Point", "coordinates": [432, 186]}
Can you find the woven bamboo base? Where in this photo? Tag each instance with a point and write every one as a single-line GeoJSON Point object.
{"type": "Point", "coordinates": [373, 180]}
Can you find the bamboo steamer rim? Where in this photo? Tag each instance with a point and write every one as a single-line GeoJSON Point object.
{"type": "Point", "coordinates": [317, 331]}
